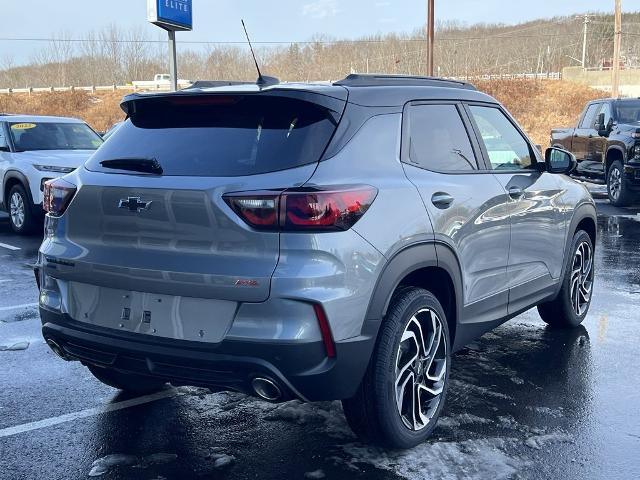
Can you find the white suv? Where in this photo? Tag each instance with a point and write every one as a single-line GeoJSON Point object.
{"type": "Point", "coordinates": [34, 149]}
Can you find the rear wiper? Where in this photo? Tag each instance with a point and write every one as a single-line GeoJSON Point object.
{"type": "Point", "coordinates": [144, 165]}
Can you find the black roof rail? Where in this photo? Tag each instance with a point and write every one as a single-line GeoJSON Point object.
{"type": "Point", "coordinates": [378, 80]}
{"type": "Point", "coordinates": [215, 83]}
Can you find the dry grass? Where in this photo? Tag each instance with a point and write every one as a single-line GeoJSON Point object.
{"type": "Point", "coordinates": [99, 110]}
{"type": "Point", "coordinates": [538, 105]}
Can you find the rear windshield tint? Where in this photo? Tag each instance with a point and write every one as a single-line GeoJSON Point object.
{"type": "Point", "coordinates": [221, 135]}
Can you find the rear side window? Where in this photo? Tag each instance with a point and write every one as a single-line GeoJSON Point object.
{"type": "Point", "coordinates": [222, 135]}
{"type": "Point", "coordinates": [590, 116]}
{"type": "Point", "coordinates": [438, 139]}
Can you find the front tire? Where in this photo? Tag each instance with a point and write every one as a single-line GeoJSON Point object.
{"type": "Point", "coordinates": [126, 382]}
{"type": "Point", "coordinates": [403, 391]}
{"type": "Point", "coordinates": [572, 304]}
{"type": "Point", "coordinates": [21, 217]}
{"type": "Point", "coordinates": [617, 188]}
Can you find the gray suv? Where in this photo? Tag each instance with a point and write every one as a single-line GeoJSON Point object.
{"type": "Point", "coordinates": [312, 242]}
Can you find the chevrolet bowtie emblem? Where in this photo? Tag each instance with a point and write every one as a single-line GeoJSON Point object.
{"type": "Point", "coordinates": [133, 204]}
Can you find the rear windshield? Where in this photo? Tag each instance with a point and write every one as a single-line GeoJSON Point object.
{"type": "Point", "coordinates": [221, 135]}
{"type": "Point", "coordinates": [53, 136]}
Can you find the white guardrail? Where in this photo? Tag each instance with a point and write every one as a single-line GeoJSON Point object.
{"type": "Point", "coordinates": [92, 89]}
{"type": "Point", "coordinates": [165, 87]}
{"type": "Point", "coordinates": [512, 76]}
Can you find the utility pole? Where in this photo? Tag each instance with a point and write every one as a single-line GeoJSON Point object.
{"type": "Point", "coordinates": [617, 39]}
{"type": "Point", "coordinates": [430, 36]}
{"type": "Point", "coordinates": [586, 21]}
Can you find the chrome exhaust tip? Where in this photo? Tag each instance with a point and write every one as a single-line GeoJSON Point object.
{"type": "Point", "coordinates": [57, 349]}
{"type": "Point", "coordinates": [266, 389]}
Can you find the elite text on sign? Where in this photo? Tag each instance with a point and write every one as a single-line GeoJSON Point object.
{"type": "Point", "coordinates": [170, 14]}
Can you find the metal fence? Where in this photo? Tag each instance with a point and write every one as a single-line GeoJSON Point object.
{"type": "Point", "coordinates": [511, 76]}
{"type": "Point", "coordinates": [165, 87]}
{"type": "Point", "coordinates": [93, 89]}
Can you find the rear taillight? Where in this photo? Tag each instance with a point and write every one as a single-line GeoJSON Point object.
{"type": "Point", "coordinates": [319, 209]}
{"type": "Point", "coordinates": [57, 196]}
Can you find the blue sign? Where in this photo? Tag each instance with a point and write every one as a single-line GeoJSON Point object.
{"type": "Point", "coordinates": [170, 14]}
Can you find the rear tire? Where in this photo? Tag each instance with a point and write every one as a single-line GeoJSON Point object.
{"type": "Point", "coordinates": [571, 306]}
{"type": "Point", "coordinates": [126, 382]}
{"type": "Point", "coordinates": [384, 411]}
{"type": "Point", "coordinates": [617, 188]}
{"type": "Point", "coordinates": [21, 216]}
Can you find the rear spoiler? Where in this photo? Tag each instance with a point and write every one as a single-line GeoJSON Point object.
{"type": "Point", "coordinates": [132, 103]}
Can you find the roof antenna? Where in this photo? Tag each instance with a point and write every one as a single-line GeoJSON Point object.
{"type": "Point", "coordinates": [263, 80]}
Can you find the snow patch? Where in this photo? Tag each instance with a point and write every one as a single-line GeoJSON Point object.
{"type": "Point", "coordinates": [477, 389]}
{"type": "Point", "coordinates": [471, 459]}
{"type": "Point", "coordinates": [327, 416]}
{"type": "Point", "coordinates": [539, 441]}
{"type": "Point", "coordinates": [462, 419]}
{"type": "Point", "coordinates": [222, 460]}
{"type": "Point", "coordinates": [546, 411]}
{"type": "Point", "coordinates": [105, 464]}
{"type": "Point", "coordinates": [14, 347]}
{"type": "Point", "coordinates": [315, 475]}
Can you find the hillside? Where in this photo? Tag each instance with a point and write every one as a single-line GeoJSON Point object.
{"type": "Point", "coordinates": [113, 55]}
{"type": "Point", "coordinates": [538, 105]}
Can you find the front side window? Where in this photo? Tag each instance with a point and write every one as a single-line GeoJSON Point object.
{"type": "Point", "coordinates": [505, 145]}
{"type": "Point", "coordinates": [590, 116]}
{"type": "Point", "coordinates": [606, 109]}
{"type": "Point", "coordinates": [438, 139]}
{"type": "Point", "coordinates": [29, 136]}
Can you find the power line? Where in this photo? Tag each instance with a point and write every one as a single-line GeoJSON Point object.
{"type": "Point", "coordinates": [304, 42]}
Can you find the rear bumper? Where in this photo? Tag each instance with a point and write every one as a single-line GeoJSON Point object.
{"type": "Point", "coordinates": [301, 370]}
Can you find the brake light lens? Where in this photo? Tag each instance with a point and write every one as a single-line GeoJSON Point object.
{"type": "Point", "coordinates": [318, 209]}
{"type": "Point", "coordinates": [58, 193]}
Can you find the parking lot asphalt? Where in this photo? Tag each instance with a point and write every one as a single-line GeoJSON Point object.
{"type": "Point", "coordinates": [525, 401]}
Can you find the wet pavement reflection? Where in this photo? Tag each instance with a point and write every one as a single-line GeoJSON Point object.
{"type": "Point", "coordinates": [526, 401]}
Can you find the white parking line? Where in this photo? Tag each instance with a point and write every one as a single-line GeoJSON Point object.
{"type": "Point", "coordinates": [89, 412]}
{"type": "Point", "coordinates": [18, 307]}
{"type": "Point", "coordinates": [9, 247]}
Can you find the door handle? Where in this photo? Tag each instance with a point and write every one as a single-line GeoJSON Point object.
{"type": "Point", "coordinates": [515, 192]}
{"type": "Point", "coordinates": [441, 200]}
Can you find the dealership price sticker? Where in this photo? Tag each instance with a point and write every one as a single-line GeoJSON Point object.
{"type": "Point", "coordinates": [23, 126]}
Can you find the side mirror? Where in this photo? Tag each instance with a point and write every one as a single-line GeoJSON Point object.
{"type": "Point", "coordinates": [4, 146]}
{"type": "Point", "coordinates": [603, 130]}
{"type": "Point", "coordinates": [559, 161]}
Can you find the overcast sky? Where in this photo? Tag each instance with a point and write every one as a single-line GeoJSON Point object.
{"type": "Point", "coordinates": [284, 20]}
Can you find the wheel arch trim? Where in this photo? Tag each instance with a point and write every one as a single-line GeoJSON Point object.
{"type": "Point", "coordinates": [409, 260]}
{"type": "Point", "coordinates": [582, 212]}
{"type": "Point", "coordinates": [608, 162]}
{"type": "Point", "coordinates": [20, 177]}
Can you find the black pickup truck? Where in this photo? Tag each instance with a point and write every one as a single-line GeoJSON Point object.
{"type": "Point", "coordinates": [606, 143]}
